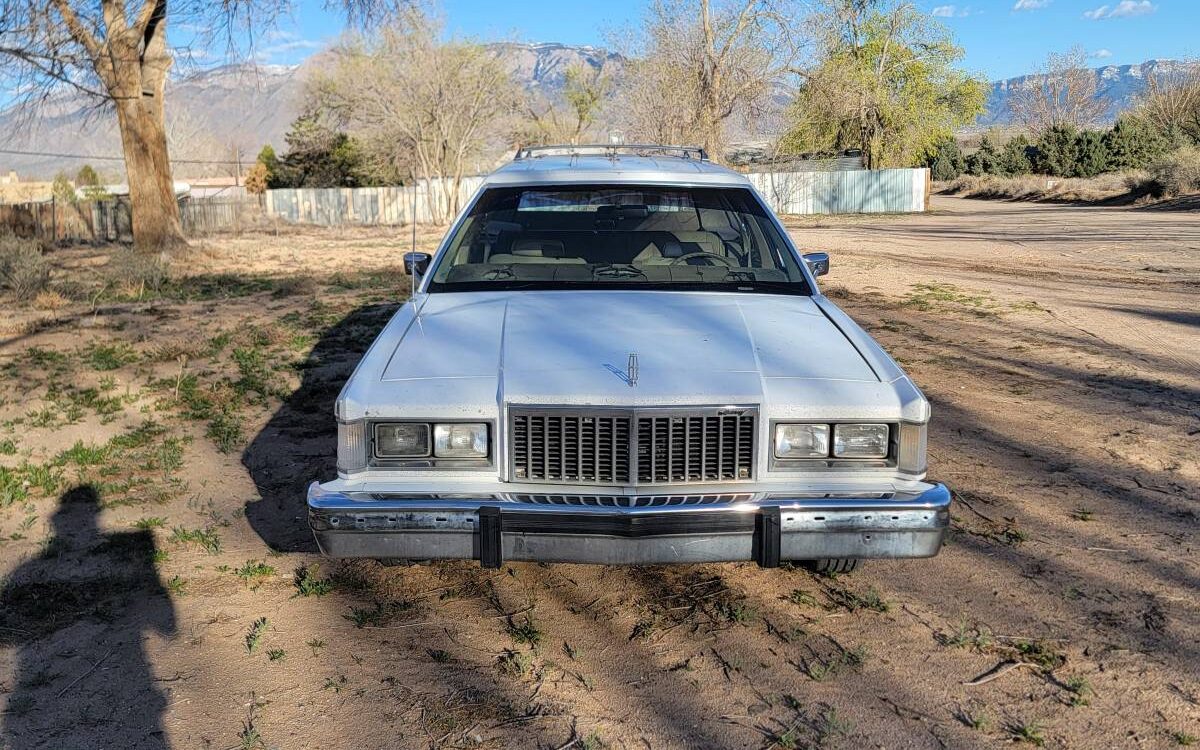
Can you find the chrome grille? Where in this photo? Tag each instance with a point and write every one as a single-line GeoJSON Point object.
{"type": "Point", "coordinates": [629, 501]}
{"type": "Point", "coordinates": [677, 448]}
{"type": "Point", "coordinates": [643, 447]}
{"type": "Point", "coordinates": [563, 447]}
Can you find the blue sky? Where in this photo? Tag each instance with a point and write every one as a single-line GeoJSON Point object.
{"type": "Point", "coordinates": [1002, 38]}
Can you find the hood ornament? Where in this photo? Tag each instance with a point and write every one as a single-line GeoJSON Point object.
{"type": "Point", "coordinates": [630, 376]}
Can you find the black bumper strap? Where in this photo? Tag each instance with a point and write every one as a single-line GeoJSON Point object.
{"type": "Point", "coordinates": [491, 537]}
{"type": "Point", "coordinates": [767, 532]}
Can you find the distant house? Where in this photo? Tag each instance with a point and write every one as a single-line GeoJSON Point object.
{"type": "Point", "coordinates": [14, 190]}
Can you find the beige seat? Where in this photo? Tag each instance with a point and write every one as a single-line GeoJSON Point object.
{"type": "Point", "coordinates": [685, 242]}
{"type": "Point", "coordinates": [533, 250]}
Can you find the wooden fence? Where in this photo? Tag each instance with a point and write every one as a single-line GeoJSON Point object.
{"type": "Point", "coordinates": [861, 191]}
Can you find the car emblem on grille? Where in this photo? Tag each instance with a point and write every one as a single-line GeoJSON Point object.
{"type": "Point", "coordinates": [630, 376]}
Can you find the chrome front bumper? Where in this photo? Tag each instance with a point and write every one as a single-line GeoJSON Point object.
{"type": "Point", "coordinates": [767, 528]}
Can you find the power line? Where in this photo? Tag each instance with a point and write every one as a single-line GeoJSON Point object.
{"type": "Point", "coordinates": [91, 157]}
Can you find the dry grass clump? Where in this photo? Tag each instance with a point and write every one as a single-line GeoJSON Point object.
{"type": "Point", "coordinates": [50, 300]}
{"type": "Point", "coordinates": [1044, 188]}
{"type": "Point", "coordinates": [136, 273]}
{"type": "Point", "coordinates": [1176, 173]}
{"type": "Point", "coordinates": [24, 270]}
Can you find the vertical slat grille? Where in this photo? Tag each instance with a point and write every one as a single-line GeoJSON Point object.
{"type": "Point", "coordinates": [570, 448]}
{"type": "Point", "coordinates": [674, 449]}
{"type": "Point", "coordinates": [598, 447]}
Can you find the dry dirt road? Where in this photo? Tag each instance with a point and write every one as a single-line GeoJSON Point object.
{"type": "Point", "coordinates": [158, 588]}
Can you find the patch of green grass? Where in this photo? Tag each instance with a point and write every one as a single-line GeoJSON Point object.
{"type": "Point", "coordinates": [592, 742]}
{"type": "Point", "coordinates": [926, 297]}
{"type": "Point", "coordinates": [514, 663]}
{"type": "Point", "coordinates": [802, 598]}
{"type": "Point", "coordinates": [438, 655]}
{"type": "Point", "coordinates": [316, 644]}
{"type": "Point", "coordinates": [526, 632]}
{"type": "Point", "coordinates": [851, 601]}
{"type": "Point", "coordinates": [160, 556]}
{"type": "Point", "coordinates": [8, 448]}
{"type": "Point", "coordinates": [1030, 732]}
{"type": "Point", "coordinates": [1080, 690]}
{"type": "Point", "coordinates": [1082, 514]}
{"type": "Point", "coordinates": [177, 586]}
{"type": "Point", "coordinates": [308, 583]}
{"type": "Point", "coordinates": [378, 615]}
{"type": "Point", "coordinates": [254, 571]}
{"type": "Point", "coordinates": [738, 613]}
{"type": "Point", "coordinates": [1040, 653]}
{"type": "Point", "coordinates": [335, 684]}
{"type": "Point", "coordinates": [208, 538]}
{"type": "Point", "coordinates": [152, 522]}
{"type": "Point", "coordinates": [832, 725]}
{"type": "Point", "coordinates": [254, 637]}
{"type": "Point", "coordinates": [974, 636]}
{"type": "Point", "coordinates": [105, 357]}
{"type": "Point", "coordinates": [821, 669]}
{"type": "Point", "coordinates": [1183, 739]}
{"type": "Point", "coordinates": [642, 629]}
{"type": "Point", "coordinates": [276, 654]}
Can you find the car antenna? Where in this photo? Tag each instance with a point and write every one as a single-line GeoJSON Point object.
{"type": "Point", "coordinates": [412, 267]}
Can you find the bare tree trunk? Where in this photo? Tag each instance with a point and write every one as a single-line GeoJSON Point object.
{"type": "Point", "coordinates": [156, 224]}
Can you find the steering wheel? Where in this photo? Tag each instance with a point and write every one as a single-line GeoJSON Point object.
{"type": "Point", "coordinates": [702, 254]}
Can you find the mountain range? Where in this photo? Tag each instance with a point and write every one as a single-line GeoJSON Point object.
{"type": "Point", "coordinates": [217, 112]}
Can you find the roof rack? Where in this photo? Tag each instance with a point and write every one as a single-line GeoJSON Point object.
{"type": "Point", "coordinates": [612, 150]}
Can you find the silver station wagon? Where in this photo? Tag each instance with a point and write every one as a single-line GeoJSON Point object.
{"type": "Point", "coordinates": [617, 355]}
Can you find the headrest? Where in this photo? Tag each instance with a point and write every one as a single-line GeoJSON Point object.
{"type": "Point", "coordinates": [532, 247]}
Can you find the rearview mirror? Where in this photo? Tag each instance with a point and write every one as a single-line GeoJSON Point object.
{"type": "Point", "coordinates": [417, 263]}
{"type": "Point", "coordinates": [818, 263]}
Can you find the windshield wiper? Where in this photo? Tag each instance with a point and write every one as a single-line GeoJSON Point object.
{"type": "Point", "coordinates": [617, 271]}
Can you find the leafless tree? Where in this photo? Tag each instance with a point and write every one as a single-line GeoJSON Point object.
{"type": "Point", "coordinates": [697, 64]}
{"type": "Point", "coordinates": [1171, 101]}
{"type": "Point", "coordinates": [422, 105]}
{"type": "Point", "coordinates": [117, 53]}
{"type": "Point", "coordinates": [1063, 93]}
{"type": "Point", "coordinates": [585, 94]}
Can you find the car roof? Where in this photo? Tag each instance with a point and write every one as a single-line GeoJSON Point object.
{"type": "Point", "coordinates": [580, 168]}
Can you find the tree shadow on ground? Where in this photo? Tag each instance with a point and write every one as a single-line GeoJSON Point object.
{"type": "Point", "coordinates": [298, 445]}
{"type": "Point", "coordinates": [78, 616]}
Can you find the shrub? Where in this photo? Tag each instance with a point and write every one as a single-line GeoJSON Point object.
{"type": "Point", "coordinates": [1016, 158]}
{"type": "Point", "coordinates": [1056, 151]}
{"type": "Point", "coordinates": [946, 162]}
{"type": "Point", "coordinates": [138, 272]}
{"type": "Point", "coordinates": [984, 161]}
{"type": "Point", "coordinates": [1177, 173]}
{"type": "Point", "coordinates": [1135, 144]}
{"type": "Point", "coordinates": [24, 270]}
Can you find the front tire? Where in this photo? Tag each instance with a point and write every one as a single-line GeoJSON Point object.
{"type": "Point", "coordinates": [832, 565]}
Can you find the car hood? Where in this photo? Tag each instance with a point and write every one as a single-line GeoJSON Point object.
{"type": "Point", "coordinates": [543, 347]}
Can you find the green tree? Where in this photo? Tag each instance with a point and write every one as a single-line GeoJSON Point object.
{"type": "Point", "coordinates": [1016, 158]}
{"type": "Point", "coordinates": [946, 162]}
{"type": "Point", "coordinates": [63, 190]}
{"type": "Point", "coordinates": [886, 82]}
{"type": "Point", "coordinates": [1091, 154]}
{"type": "Point", "coordinates": [270, 162]}
{"type": "Point", "coordinates": [1133, 143]}
{"type": "Point", "coordinates": [319, 156]}
{"type": "Point", "coordinates": [86, 176]}
{"type": "Point", "coordinates": [984, 161]}
{"type": "Point", "coordinates": [1056, 151]}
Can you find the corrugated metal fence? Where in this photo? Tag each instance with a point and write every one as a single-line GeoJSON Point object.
{"type": "Point", "coordinates": [856, 192]}
{"type": "Point", "coordinates": [877, 191]}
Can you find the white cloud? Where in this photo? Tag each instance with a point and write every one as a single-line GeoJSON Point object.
{"type": "Point", "coordinates": [1030, 4]}
{"type": "Point", "coordinates": [1123, 9]}
{"type": "Point", "coordinates": [1101, 54]}
{"type": "Point", "coordinates": [950, 11]}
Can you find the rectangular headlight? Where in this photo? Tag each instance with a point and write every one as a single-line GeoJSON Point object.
{"type": "Point", "coordinates": [860, 441]}
{"type": "Point", "coordinates": [401, 440]}
{"type": "Point", "coordinates": [351, 447]}
{"type": "Point", "coordinates": [465, 440]}
{"type": "Point", "coordinates": [801, 440]}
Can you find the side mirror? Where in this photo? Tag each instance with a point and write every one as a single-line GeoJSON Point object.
{"type": "Point", "coordinates": [416, 264]}
{"type": "Point", "coordinates": [818, 263]}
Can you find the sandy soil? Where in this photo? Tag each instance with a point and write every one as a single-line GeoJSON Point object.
{"type": "Point", "coordinates": [1059, 347]}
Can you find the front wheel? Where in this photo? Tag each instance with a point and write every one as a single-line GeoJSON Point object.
{"type": "Point", "coordinates": [832, 565]}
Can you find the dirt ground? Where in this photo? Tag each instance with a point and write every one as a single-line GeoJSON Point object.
{"type": "Point", "coordinates": [158, 586]}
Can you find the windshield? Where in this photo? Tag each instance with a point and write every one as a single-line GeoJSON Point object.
{"type": "Point", "coordinates": [600, 236]}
